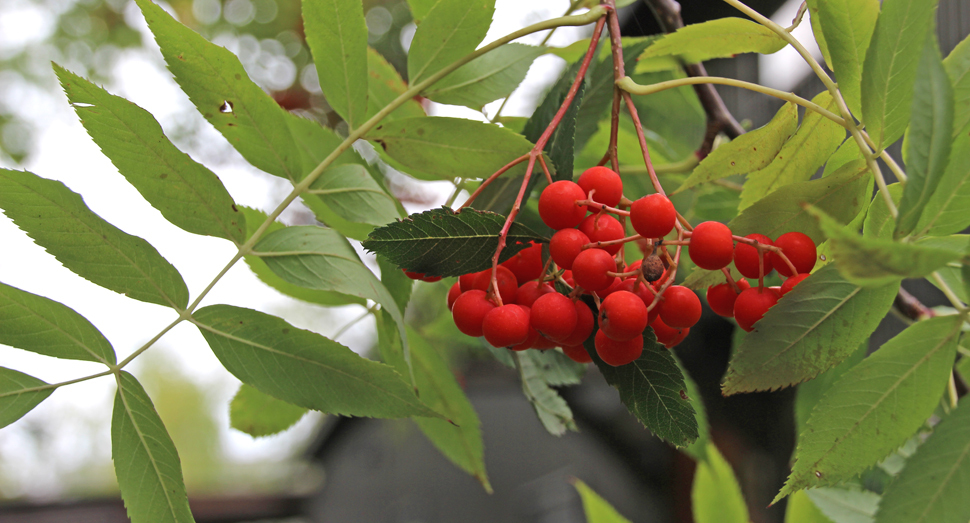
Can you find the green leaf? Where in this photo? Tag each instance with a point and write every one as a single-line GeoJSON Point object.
{"type": "Point", "coordinates": [337, 37]}
{"type": "Point", "coordinates": [848, 151]}
{"type": "Point", "coordinates": [700, 279]}
{"type": "Point", "coordinates": [833, 318]}
{"type": "Point", "coordinates": [353, 195]}
{"type": "Point", "coordinates": [957, 65]}
{"type": "Point", "coordinates": [216, 83]}
{"type": "Point", "coordinates": [801, 156]}
{"type": "Point", "coordinates": [254, 218]}
{"type": "Point", "coordinates": [889, 70]}
{"type": "Point", "coordinates": [396, 282]}
{"type": "Point", "coordinates": [420, 9]}
{"type": "Point", "coordinates": [487, 78]}
{"type": "Point", "coordinates": [597, 509]}
{"type": "Point", "coordinates": [716, 496]}
{"type": "Point", "coordinates": [847, 26]}
{"type": "Point", "coordinates": [44, 326]}
{"type": "Point", "coordinates": [451, 30]}
{"type": "Point", "coordinates": [445, 148]}
{"type": "Point", "coordinates": [186, 193]}
{"type": "Point", "coordinates": [845, 504]}
{"type": "Point", "coordinates": [879, 223]}
{"type": "Point", "coordinates": [875, 406]}
{"type": "Point", "coordinates": [928, 142]}
{"type": "Point", "coordinates": [556, 368]}
{"type": "Point", "coordinates": [146, 462]}
{"type": "Point", "coordinates": [936, 480]}
{"type": "Point", "coordinates": [873, 261]}
{"type": "Point", "coordinates": [810, 392]}
{"type": "Point", "coordinates": [304, 368]}
{"type": "Point", "coordinates": [59, 221]}
{"type": "Point", "coordinates": [19, 394]}
{"type": "Point", "coordinates": [383, 86]}
{"type": "Point", "coordinates": [800, 507]}
{"type": "Point", "coordinates": [697, 449]}
{"type": "Point", "coordinates": [842, 195]}
{"type": "Point", "coordinates": [948, 209]}
{"type": "Point", "coordinates": [561, 146]}
{"type": "Point", "coordinates": [719, 38]}
{"type": "Point", "coordinates": [552, 410]}
{"type": "Point", "coordinates": [259, 414]}
{"type": "Point", "coordinates": [653, 390]}
{"type": "Point", "coordinates": [441, 242]}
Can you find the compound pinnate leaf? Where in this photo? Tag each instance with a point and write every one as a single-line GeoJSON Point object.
{"type": "Point", "coordinates": [553, 411]}
{"type": "Point", "coordinates": [441, 242]}
{"type": "Point", "coordinates": [847, 26]}
{"type": "Point", "coordinates": [146, 463]}
{"type": "Point", "coordinates": [811, 329]}
{"type": "Point", "coordinates": [337, 36]}
{"type": "Point", "coordinates": [304, 368]}
{"type": "Point", "coordinates": [384, 84]}
{"type": "Point", "coordinates": [44, 326]}
{"type": "Point", "coordinates": [873, 262]}
{"type": "Point", "coordinates": [929, 137]}
{"type": "Point", "coordinates": [19, 393]}
{"type": "Point", "coordinates": [720, 38]}
{"type": "Point", "coordinates": [451, 30]}
{"type": "Point", "coordinates": [889, 70]}
{"type": "Point", "coordinates": [350, 192]}
{"type": "Point", "coordinates": [187, 194]}
{"type": "Point", "coordinates": [259, 414]}
{"type": "Point", "coordinates": [59, 221]}
{"type": "Point", "coordinates": [876, 405]}
{"type": "Point", "coordinates": [217, 84]}
{"type": "Point", "coordinates": [487, 78]}
{"type": "Point", "coordinates": [841, 194]}
{"type": "Point", "coordinates": [653, 390]}
{"type": "Point", "coordinates": [446, 148]}
{"type": "Point", "coordinates": [716, 496]}
{"type": "Point", "coordinates": [934, 484]}
{"type": "Point", "coordinates": [597, 509]}
{"type": "Point", "coordinates": [948, 209]}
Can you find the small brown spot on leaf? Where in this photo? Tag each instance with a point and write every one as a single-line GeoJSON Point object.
{"type": "Point", "coordinates": [234, 209]}
{"type": "Point", "coordinates": [238, 76]}
{"type": "Point", "coordinates": [163, 176]}
{"type": "Point", "coordinates": [683, 395]}
{"type": "Point", "coordinates": [226, 107]}
{"type": "Point", "coordinates": [420, 132]}
{"type": "Point", "coordinates": [818, 474]}
{"type": "Point", "coordinates": [286, 331]}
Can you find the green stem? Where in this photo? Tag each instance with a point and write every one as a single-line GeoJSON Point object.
{"type": "Point", "coordinates": [948, 292]}
{"type": "Point", "coordinates": [51, 386]}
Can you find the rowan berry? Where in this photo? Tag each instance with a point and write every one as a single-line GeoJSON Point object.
{"type": "Point", "coordinates": [752, 304]}
{"type": "Point", "coordinates": [721, 297]}
{"type": "Point", "coordinates": [680, 308]}
{"type": "Point", "coordinates": [565, 245]}
{"type": "Point", "coordinates": [602, 227]}
{"type": "Point", "coordinates": [618, 353]}
{"type": "Point", "coordinates": [790, 283]}
{"type": "Point", "coordinates": [666, 335]}
{"type": "Point", "coordinates": [506, 326]}
{"type": "Point", "coordinates": [653, 216]}
{"type": "Point", "coordinates": [799, 249]}
{"type": "Point", "coordinates": [711, 246]}
{"type": "Point", "coordinates": [557, 205]}
{"type": "Point", "coordinates": [453, 293]}
{"type": "Point", "coordinates": [604, 183]}
{"type": "Point", "coordinates": [584, 325]}
{"type": "Point", "coordinates": [526, 264]}
{"type": "Point", "coordinates": [623, 315]}
{"type": "Point", "coordinates": [467, 281]}
{"type": "Point", "coordinates": [508, 285]}
{"type": "Point", "coordinates": [590, 268]}
{"type": "Point", "coordinates": [554, 316]}
{"type": "Point", "coordinates": [577, 353]}
{"type": "Point", "coordinates": [746, 257]}
{"type": "Point", "coordinates": [469, 311]}
{"type": "Point", "coordinates": [529, 342]}
{"type": "Point", "coordinates": [530, 291]}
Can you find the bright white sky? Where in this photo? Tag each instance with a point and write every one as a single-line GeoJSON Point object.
{"type": "Point", "coordinates": [64, 152]}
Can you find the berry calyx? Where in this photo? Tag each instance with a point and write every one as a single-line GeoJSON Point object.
{"type": "Point", "coordinates": [746, 257]}
{"type": "Point", "coordinates": [604, 183]}
{"type": "Point", "coordinates": [653, 216]}
{"type": "Point", "coordinates": [752, 304]}
{"type": "Point", "coordinates": [800, 251]}
{"type": "Point", "coordinates": [557, 205]}
{"type": "Point", "coordinates": [711, 246]}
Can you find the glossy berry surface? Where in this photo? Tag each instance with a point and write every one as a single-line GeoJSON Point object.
{"type": "Point", "coordinates": [618, 353]}
{"type": "Point", "coordinates": [602, 227]}
{"type": "Point", "coordinates": [565, 245]}
{"type": "Point", "coordinates": [506, 326]}
{"type": "Point", "coordinates": [653, 216]}
{"type": "Point", "coordinates": [590, 268]}
{"type": "Point", "coordinates": [680, 308]}
{"type": "Point", "coordinates": [584, 324]}
{"type": "Point", "coordinates": [554, 316]}
{"type": "Point", "coordinates": [746, 257]}
{"type": "Point", "coordinates": [557, 205]}
{"type": "Point", "coordinates": [623, 315]}
{"type": "Point", "coordinates": [790, 283]}
{"type": "Point", "coordinates": [800, 250]}
{"type": "Point", "coordinates": [453, 293]}
{"type": "Point", "coordinates": [508, 285]}
{"type": "Point", "coordinates": [469, 312]}
{"type": "Point", "coordinates": [711, 246]}
{"type": "Point", "coordinates": [530, 291]}
{"type": "Point", "coordinates": [666, 335]}
{"type": "Point", "coordinates": [604, 183]}
{"type": "Point", "coordinates": [751, 305]}
{"type": "Point", "coordinates": [577, 353]}
{"type": "Point", "coordinates": [526, 264]}
{"type": "Point", "coordinates": [721, 297]}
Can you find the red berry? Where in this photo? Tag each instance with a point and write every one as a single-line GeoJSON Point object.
{"type": "Point", "coordinates": [602, 227]}
{"type": "Point", "coordinates": [413, 275]}
{"type": "Point", "coordinates": [577, 353]}
{"type": "Point", "coordinates": [746, 257]}
{"type": "Point", "coordinates": [453, 293]}
{"type": "Point", "coordinates": [467, 281]}
{"type": "Point", "coordinates": [431, 279]}
{"type": "Point", "coordinates": [800, 250]}
{"type": "Point", "coordinates": [790, 283]}
{"type": "Point", "coordinates": [607, 185]}
{"type": "Point", "coordinates": [530, 291]}
{"type": "Point", "coordinates": [721, 297]}
{"type": "Point", "coordinates": [526, 264]}
{"type": "Point", "coordinates": [543, 343]}
{"type": "Point", "coordinates": [680, 308]}
{"type": "Point", "coordinates": [529, 342]}
{"type": "Point", "coordinates": [557, 205]}
{"type": "Point", "coordinates": [469, 311]}
{"type": "Point", "coordinates": [508, 286]}
{"type": "Point", "coordinates": [618, 353]}
{"type": "Point", "coordinates": [590, 268]}
{"type": "Point", "coordinates": [623, 316]}
{"type": "Point", "coordinates": [645, 294]}
{"type": "Point", "coordinates": [752, 304]}
{"type": "Point", "coordinates": [506, 326]}
{"type": "Point", "coordinates": [584, 325]}
{"type": "Point", "coordinates": [565, 245]}
{"type": "Point", "coordinates": [653, 216]}
{"type": "Point", "coordinates": [615, 286]}
{"type": "Point", "coordinates": [666, 335]}
{"type": "Point", "coordinates": [554, 316]}
{"type": "Point", "coordinates": [711, 246]}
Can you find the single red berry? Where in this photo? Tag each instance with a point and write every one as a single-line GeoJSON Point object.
{"type": "Point", "coordinates": [584, 325]}
{"type": "Point", "coordinates": [623, 315]}
{"type": "Point", "coordinates": [790, 283]}
{"type": "Point", "coordinates": [679, 338]}
{"type": "Point", "coordinates": [577, 353]}
{"type": "Point", "coordinates": [680, 308]}
{"type": "Point", "coordinates": [453, 293]}
{"type": "Point", "coordinates": [469, 311]}
{"type": "Point", "coordinates": [526, 264]}
{"type": "Point", "coordinates": [506, 326]}
{"type": "Point", "coordinates": [508, 286]}
{"type": "Point", "coordinates": [618, 353]}
{"type": "Point", "coordinates": [529, 342]}
{"type": "Point", "coordinates": [554, 316]}
{"type": "Point", "coordinates": [467, 281]}
{"type": "Point", "coordinates": [653, 216]}
{"type": "Point", "coordinates": [746, 257]}
{"type": "Point", "coordinates": [721, 297]}
{"type": "Point", "coordinates": [602, 227]}
{"type": "Point", "coordinates": [557, 205]}
{"type": "Point", "coordinates": [665, 333]}
{"type": "Point", "coordinates": [615, 286]}
{"type": "Point", "coordinates": [800, 250]}
{"type": "Point", "coordinates": [530, 291]}
{"type": "Point", "coordinates": [413, 275]}
{"type": "Point", "coordinates": [565, 245]}
{"type": "Point", "coordinates": [752, 304]}
{"type": "Point", "coordinates": [711, 246]}
{"type": "Point", "coordinates": [590, 268]}
{"type": "Point", "coordinates": [431, 279]}
{"type": "Point", "coordinates": [607, 185]}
